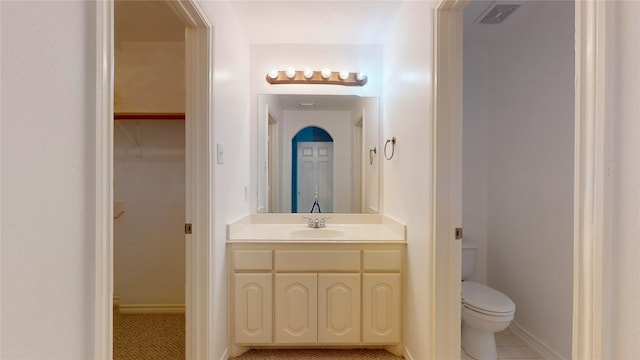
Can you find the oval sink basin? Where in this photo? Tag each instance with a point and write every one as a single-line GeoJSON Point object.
{"type": "Point", "coordinates": [316, 233]}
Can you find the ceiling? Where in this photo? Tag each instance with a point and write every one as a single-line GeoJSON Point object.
{"type": "Point", "coordinates": [363, 22]}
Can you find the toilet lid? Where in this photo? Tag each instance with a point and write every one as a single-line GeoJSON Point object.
{"type": "Point", "coordinates": [485, 298]}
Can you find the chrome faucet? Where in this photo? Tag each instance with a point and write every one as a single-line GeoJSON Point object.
{"type": "Point", "coordinates": [316, 203]}
{"type": "Point", "coordinates": [316, 223]}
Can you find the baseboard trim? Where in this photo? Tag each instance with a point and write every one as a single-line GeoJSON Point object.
{"type": "Point", "coordinates": [225, 354]}
{"type": "Point", "coordinates": [407, 354]}
{"type": "Point", "coordinates": [535, 343]}
{"type": "Point", "coordinates": [151, 308]}
{"type": "Point", "coordinates": [116, 301]}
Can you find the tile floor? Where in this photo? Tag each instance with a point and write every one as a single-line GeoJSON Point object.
{"type": "Point", "coordinates": [511, 347]}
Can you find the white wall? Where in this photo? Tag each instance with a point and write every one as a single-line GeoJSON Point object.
{"type": "Point", "coordinates": [368, 109]}
{"type": "Point", "coordinates": [48, 195]}
{"type": "Point", "coordinates": [149, 241]}
{"type": "Point", "coordinates": [526, 77]}
{"type": "Point", "coordinates": [268, 105]}
{"type": "Point", "coordinates": [231, 129]}
{"type": "Point", "coordinates": [622, 284]}
{"type": "Point", "coordinates": [406, 178]}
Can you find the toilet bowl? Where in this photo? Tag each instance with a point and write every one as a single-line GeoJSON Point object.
{"type": "Point", "coordinates": [485, 311]}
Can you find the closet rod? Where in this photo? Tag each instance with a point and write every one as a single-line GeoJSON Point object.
{"type": "Point", "coordinates": [148, 116]}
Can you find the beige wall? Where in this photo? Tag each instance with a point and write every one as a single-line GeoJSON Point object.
{"type": "Point", "coordinates": [149, 77]}
{"type": "Point", "coordinates": [149, 249]}
{"type": "Point", "coordinates": [148, 238]}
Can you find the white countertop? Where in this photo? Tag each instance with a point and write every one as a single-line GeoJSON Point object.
{"type": "Point", "coordinates": [340, 228]}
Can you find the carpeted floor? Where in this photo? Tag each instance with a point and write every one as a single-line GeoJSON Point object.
{"type": "Point", "coordinates": [162, 337]}
{"type": "Point", "coordinates": [148, 337]}
{"type": "Point", "coordinates": [317, 355]}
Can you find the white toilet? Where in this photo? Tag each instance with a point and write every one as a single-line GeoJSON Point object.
{"type": "Point", "coordinates": [485, 311]}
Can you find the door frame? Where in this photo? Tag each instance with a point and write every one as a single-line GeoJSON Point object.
{"type": "Point", "coordinates": [198, 172]}
{"type": "Point", "coordinates": [446, 158]}
{"type": "Point", "coordinates": [590, 181]}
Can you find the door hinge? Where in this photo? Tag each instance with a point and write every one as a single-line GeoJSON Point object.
{"type": "Point", "coordinates": [187, 229]}
{"type": "Point", "coordinates": [458, 233]}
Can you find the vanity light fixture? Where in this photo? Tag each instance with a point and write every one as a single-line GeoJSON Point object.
{"type": "Point", "coordinates": [308, 73]}
{"type": "Point", "coordinates": [324, 76]}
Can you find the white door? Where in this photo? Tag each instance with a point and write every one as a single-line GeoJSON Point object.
{"type": "Point", "coordinates": [315, 175]}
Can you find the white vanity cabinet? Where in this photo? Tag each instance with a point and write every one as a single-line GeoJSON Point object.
{"type": "Point", "coordinates": [296, 309]}
{"type": "Point", "coordinates": [316, 294]}
{"type": "Point", "coordinates": [252, 292]}
{"type": "Point", "coordinates": [339, 308]}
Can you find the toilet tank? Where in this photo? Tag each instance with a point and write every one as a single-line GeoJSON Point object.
{"type": "Point", "coordinates": [469, 250]}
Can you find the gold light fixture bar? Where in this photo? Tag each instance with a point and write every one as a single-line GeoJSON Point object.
{"type": "Point", "coordinates": [316, 78]}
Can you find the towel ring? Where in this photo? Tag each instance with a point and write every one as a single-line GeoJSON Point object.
{"type": "Point", "coordinates": [393, 148]}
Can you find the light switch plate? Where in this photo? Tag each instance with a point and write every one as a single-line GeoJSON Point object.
{"type": "Point", "coordinates": [219, 152]}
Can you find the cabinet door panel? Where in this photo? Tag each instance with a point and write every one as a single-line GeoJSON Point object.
{"type": "Point", "coordinates": [252, 308]}
{"type": "Point", "coordinates": [381, 308]}
{"type": "Point", "coordinates": [338, 308]}
{"type": "Point", "coordinates": [296, 309]}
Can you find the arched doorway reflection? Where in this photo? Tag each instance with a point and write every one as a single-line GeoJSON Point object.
{"type": "Point", "coordinates": [312, 170]}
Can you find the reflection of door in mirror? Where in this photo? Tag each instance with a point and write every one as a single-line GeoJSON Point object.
{"type": "Point", "coordinates": [272, 165]}
{"type": "Point", "coordinates": [315, 177]}
{"type": "Point", "coordinates": [358, 181]}
{"type": "Point", "coordinates": [312, 170]}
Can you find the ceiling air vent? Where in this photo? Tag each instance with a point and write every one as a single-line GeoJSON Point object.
{"type": "Point", "coordinates": [497, 12]}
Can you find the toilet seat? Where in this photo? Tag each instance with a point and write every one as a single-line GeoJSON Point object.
{"type": "Point", "coordinates": [485, 300]}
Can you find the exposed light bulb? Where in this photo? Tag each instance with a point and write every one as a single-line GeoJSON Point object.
{"type": "Point", "coordinates": [308, 73]}
{"type": "Point", "coordinates": [344, 75]}
{"type": "Point", "coordinates": [273, 74]}
{"type": "Point", "coordinates": [361, 76]}
{"type": "Point", "coordinates": [326, 73]}
{"type": "Point", "coordinates": [291, 73]}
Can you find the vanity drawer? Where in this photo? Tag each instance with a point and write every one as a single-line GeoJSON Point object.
{"type": "Point", "coordinates": [317, 260]}
{"type": "Point", "coordinates": [252, 260]}
{"type": "Point", "coordinates": [382, 260]}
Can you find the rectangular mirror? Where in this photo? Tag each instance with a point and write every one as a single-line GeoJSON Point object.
{"type": "Point", "coordinates": [318, 151]}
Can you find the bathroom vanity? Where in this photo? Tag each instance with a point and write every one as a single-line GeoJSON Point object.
{"type": "Point", "coordinates": [295, 286]}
